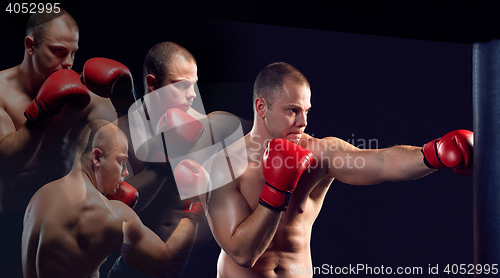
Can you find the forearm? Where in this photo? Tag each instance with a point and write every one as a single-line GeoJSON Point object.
{"type": "Point", "coordinates": [368, 167]}
{"type": "Point", "coordinates": [156, 254]}
{"type": "Point", "coordinates": [182, 239]}
{"type": "Point", "coordinates": [404, 163]}
{"type": "Point", "coordinates": [147, 252]}
{"type": "Point", "coordinates": [252, 237]}
{"type": "Point", "coordinates": [18, 148]}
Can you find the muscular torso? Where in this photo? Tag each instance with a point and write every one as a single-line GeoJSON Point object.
{"type": "Point", "coordinates": [69, 231]}
{"type": "Point", "coordinates": [55, 156]}
{"type": "Point", "coordinates": [291, 242]}
{"type": "Point", "coordinates": [52, 161]}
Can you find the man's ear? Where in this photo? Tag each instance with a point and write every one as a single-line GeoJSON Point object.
{"type": "Point", "coordinates": [96, 157]}
{"type": "Point", "coordinates": [29, 44]}
{"type": "Point", "coordinates": [151, 81]}
{"type": "Point", "coordinates": [260, 107]}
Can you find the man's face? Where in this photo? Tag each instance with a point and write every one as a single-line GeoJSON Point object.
{"type": "Point", "coordinates": [287, 117]}
{"type": "Point", "coordinates": [112, 168]}
{"type": "Point", "coordinates": [57, 50]}
{"type": "Point", "coordinates": [181, 78]}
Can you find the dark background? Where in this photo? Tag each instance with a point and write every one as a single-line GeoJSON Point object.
{"type": "Point", "coordinates": [394, 74]}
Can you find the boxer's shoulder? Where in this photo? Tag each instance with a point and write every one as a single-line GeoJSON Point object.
{"type": "Point", "coordinates": [226, 124]}
{"type": "Point", "coordinates": [10, 93]}
{"type": "Point", "coordinates": [119, 211]}
{"type": "Point", "coordinates": [326, 144]}
{"type": "Point", "coordinates": [8, 76]}
{"type": "Point", "coordinates": [59, 193]}
{"type": "Point", "coordinates": [100, 108]}
{"type": "Point", "coordinates": [313, 144]}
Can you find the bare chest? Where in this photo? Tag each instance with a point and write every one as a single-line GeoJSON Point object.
{"type": "Point", "coordinates": [58, 140]}
{"type": "Point", "coordinates": [300, 211]}
{"type": "Point", "coordinates": [53, 159]}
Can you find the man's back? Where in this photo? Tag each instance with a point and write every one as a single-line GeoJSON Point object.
{"type": "Point", "coordinates": [69, 230]}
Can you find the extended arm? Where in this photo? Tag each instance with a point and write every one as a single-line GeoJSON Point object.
{"type": "Point", "coordinates": [364, 167]}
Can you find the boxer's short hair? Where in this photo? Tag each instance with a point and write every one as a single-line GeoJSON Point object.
{"type": "Point", "coordinates": [159, 58]}
{"type": "Point", "coordinates": [94, 135]}
{"type": "Point", "coordinates": [38, 24]}
{"type": "Point", "coordinates": [269, 83]}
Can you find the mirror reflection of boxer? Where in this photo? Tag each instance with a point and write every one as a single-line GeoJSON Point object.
{"type": "Point", "coordinates": [169, 64]}
{"type": "Point", "coordinates": [263, 219]}
{"type": "Point", "coordinates": [36, 137]}
{"type": "Point", "coordinates": [70, 227]}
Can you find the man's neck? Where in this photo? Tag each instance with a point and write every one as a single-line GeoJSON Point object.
{"type": "Point", "coordinates": [27, 79]}
{"type": "Point", "coordinates": [86, 171]}
{"type": "Point", "coordinates": [258, 135]}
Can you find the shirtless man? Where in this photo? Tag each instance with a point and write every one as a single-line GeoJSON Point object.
{"type": "Point", "coordinates": [170, 76]}
{"type": "Point", "coordinates": [70, 227]}
{"type": "Point", "coordinates": [263, 228]}
{"type": "Point", "coordinates": [36, 151]}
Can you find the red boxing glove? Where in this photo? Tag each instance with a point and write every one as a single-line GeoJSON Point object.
{"type": "Point", "coordinates": [62, 86]}
{"type": "Point", "coordinates": [181, 131]}
{"type": "Point", "coordinates": [453, 150]}
{"type": "Point", "coordinates": [125, 193]}
{"type": "Point", "coordinates": [283, 163]}
{"type": "Point", "coordinates": [110, 79]}
{"type": "Point", "coordinates": [191, 177]}
{"type": "Point", "coordinates": [194, 209]}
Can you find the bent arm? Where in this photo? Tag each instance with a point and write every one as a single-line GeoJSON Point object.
{"type": "Point", "coordinates": [244, 235]}
{"type": "Point", "coordinates": [17, 147]}
{"type": "Point", "coordinates": [371, 166]}
{"type": "Point", "coordinates": [145, 250]}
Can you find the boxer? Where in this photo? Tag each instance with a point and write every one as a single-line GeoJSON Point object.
{"type": "Point", "coordinates": [170, 74]}
{"type": "Point", "coordinates": [70, 227]}
{"type": "Point", "coordinates": [43, 105]}
{"type": "Point", "coordinates": [263, 218]}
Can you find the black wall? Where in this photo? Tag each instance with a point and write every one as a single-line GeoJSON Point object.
{"type": "Point", "coordinates": [376, 83]}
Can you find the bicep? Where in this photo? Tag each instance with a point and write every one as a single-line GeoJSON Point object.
{"type": "Point", "coordinates": [358, 167]}
{"type": "Point", "coordinates": [144, 247]}
{"type": "Point", "coordinates": [350, 164]}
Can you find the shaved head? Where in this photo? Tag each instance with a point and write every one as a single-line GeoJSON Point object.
{"type": "Point", "coordinates": [97, 134]}
{"type": "Point", "coordinates": [269, 83]}
{"type": "Point", "coordinates": [39, 24]}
